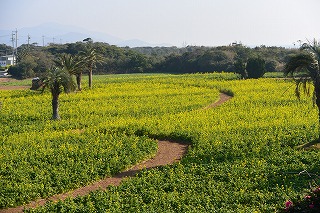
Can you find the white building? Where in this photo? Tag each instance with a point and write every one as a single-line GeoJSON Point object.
{"type": "Point", "coordinates": [6, 60]}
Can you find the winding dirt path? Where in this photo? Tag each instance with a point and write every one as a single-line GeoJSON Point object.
{"type": "Point", "coordinates": [168, 152]}
{"type": "Point", "coordinates": [222, 98]}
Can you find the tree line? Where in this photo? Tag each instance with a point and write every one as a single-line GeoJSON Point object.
{"type": "Point", "coordinates": [34, 60]}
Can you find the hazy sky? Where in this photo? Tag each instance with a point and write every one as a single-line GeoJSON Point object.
{"type": "Point", "coordinates": [194, 22]}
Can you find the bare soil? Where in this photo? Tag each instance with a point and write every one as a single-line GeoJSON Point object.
{"type": "Point", "coordinates": [9, 87]}
{"type": "Point", "coordinates": [310, 145]}
{"type": "Point", "coordinates": [222, 98]}
{"type": "Point", "coordinates": [168, 153]}
{"type": "Point", "coordinates": [4, 87]}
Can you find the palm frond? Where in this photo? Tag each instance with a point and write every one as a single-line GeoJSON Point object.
{"type": "Point", "coordinates": [312, 47]}
{"type": "Point", "coordinates": [71, 64]}
{"type": "Point", "coordinates": [305, 85]}
{"type": "Point", "coordinates": [299, 62]}
{"type": "Point", "coordinates": [60, 77]}
{"type": "Point", "coordinates": [308, 60]}
{"type": "Point", "coordinates": [91, 57]}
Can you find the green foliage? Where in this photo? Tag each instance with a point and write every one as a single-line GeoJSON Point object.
{"type": "Point", "coordinates": [4, 68]}
{"type": "Point", "coordinates": [5, 50]}
{"type": "Point", "coordinates": [31, 62]}
{"type": "Point", "coordinates": [241, 156]}
{"type": "Point", "coordinates": [189, 59]}
{"type": "Point", "coordinates": [89, 59]}
{"type": "Point", "coordinates": [240, 67]}
{"type": "Point", "coordinates": [198, 60]}
{"type": "Point", "coordinates": [271, 66]}
{"type": "Point", "coordinates": [309, 203]}
{"type": "Point", "coordinates": [44, 62]}
{"type": "Point", "coordinates": [57, 80]}
{"type": "Point", "coordinates": [255, 67]}
{"type": "Point", "coordinates": [301, 62]}
{"type": "Point", "coordinates": [307, 61]}
{"type": "Point", "coordinates": [72, 64]}
{"type": "Point", "coordinates": [24, 69]}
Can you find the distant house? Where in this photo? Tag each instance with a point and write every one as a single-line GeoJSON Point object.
{"type": "Point", "coordinates": [6, 60]}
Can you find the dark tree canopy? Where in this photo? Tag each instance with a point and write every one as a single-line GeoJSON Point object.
{"type": "Point", "coordinates": [190, 59]}
{"type": "Point", "coordinates": [240, 67]}
{"type": "Point", "coordinates": [255, 67]}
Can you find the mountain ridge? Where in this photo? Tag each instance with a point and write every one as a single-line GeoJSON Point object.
{"type": "Point", "coordinates": [50, 32]}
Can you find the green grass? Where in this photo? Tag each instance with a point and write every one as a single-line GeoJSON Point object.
{"type": "Point", "coordinates": [279, 75]}
{"type": "Point", "coordinates": [13, 82]}
{"type": "Point", "coordinates": [273, 75]}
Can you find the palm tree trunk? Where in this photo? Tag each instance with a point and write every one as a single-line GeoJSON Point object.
{"type": "Point", "coordinates": [317, 93]}
{"type": "Point", "coordinates": [90, 78]}
{"type": "Point", "coordinates": [55, 92]}
{"type": "Point", "coordinates": [79, 78]}
{"type": "Point", "coordinates": [55, 107]}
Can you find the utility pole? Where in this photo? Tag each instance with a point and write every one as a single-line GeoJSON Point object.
{"type": "Point", "coordinates": [52, 40]}
{"type": "Point", "coordinates": [29, 39]}
{"type": "Point", "coordinates": [16, 42]}
{"type": "Point", "coordinates": [43, 40]}
{"type": "Point", "coordinates": [12, 39]}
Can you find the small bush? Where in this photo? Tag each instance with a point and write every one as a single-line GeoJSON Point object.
{"type": "Point", "coordinates": [255, 67]}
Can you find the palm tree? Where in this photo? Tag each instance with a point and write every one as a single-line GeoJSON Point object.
{"type": "Point", "coordinates": [73, 65]}
{"type": "Point", "coordinates": [90, 58]}
{"type": "Point", "coordinates": [58, 80]}
{"type": "Point", "coordinates": [307, 62]}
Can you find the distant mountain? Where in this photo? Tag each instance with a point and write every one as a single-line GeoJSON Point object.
{"type": "Point", "coordinates": [139, 43]}
{"type": "Point", "coordinates": [58, 33]}
{"type": "Point", "coordinates": [133, 43]}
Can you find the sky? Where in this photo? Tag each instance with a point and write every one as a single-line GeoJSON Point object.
{"type": "Point", "coordinates": [176, 22]}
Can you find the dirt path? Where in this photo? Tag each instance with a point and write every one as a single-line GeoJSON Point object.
{"type": "Point", "coordinates": [10, 87]}
{"type": "Point", "coordinates": [13, 87]}
{"type": "Point", "coordinates": [168, 153]}
{"type": "Point", "coordinates": [223, 98]}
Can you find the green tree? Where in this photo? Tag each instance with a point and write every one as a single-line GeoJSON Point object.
{"type": "Point", "coordinates": [73, 65]}
{"type": "Point", "coordinates": [24, 69]}
{"type": "Point", "coordinates": [32, 61]}
{"type": "Point", "coordinates": [136, 62]}
{"type": "Point", "coordinates": [57, 80]}
{"type": "Point", "coordinates": [307, 63]}
{"type": "Point", "coordinates": [91, 57]}
{"type": "Point", "coordinates": [5, 50]}
{"type": "Point", "coordinates": [240, 67]}
{"type": "Point", "coordinates": [271, 66]}
{"type": "Point", "coordinates": [255, 67]}
{"type": "Point", "coordinates": [44, 61]}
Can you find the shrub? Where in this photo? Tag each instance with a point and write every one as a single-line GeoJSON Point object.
{"type": "Point", "coordinates": [255, 67]}
{"type": "Point", "coordinates": [310, 203]}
